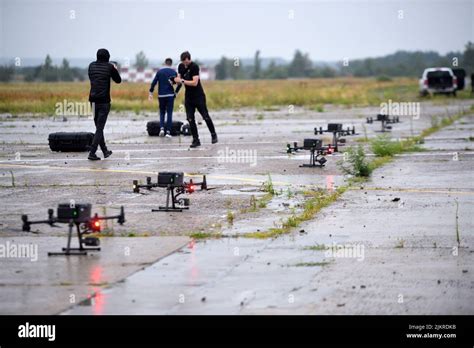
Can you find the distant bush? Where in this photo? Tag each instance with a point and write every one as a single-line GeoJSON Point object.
{"type": "Point", "coordinates": [355, 162]}
{"type": "Point", "coordinates": [6, 73]}
{"type": "Point", "coordinates": [384, 78]}
{"type": "Point", "coordinates": [384, 146]}
{"type": "Point", "coordinates": [319, 108]}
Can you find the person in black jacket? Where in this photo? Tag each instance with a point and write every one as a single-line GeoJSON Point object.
{"type": "Point", "coordinates": [100, 73]}
{"type": "Point", "coordinates": [194, 98]}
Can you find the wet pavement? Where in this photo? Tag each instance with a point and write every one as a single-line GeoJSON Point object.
{"type": "Point", "coordinates": [27, 164]}
{"type": "Point", "coordinates": [40, 284]}
{"type": "Point", "coordinates": [295, 273]}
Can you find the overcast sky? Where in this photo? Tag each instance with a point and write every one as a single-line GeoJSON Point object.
{"type": "Point", "coordinates": [327, 30]}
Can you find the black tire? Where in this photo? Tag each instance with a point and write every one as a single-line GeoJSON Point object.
{"type": "Point", "coordinates": [70, 141]}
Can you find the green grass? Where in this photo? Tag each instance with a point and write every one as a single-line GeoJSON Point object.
{"type": "Point", "coordinates": [362, 140]}
{"type": "Point", "coordinates": [319, 108]}
{"type": "Point", "coordinates": [41, 98]}
{"type": "Point", "coordinates": [263, 201]}
{"type": "Point", "coordinates": [355, 162]}
{"type": "Point", "coordinates": [383, 78]}
{"type": "Point", "coordinates": [400, 244]}
{"type": "Point", "coordinates": [268, 186]}
{"type": "Point", "coordinates": [311, 264]}
{"type": "Point", "coordinates": [253, 204]}
{"type": "Point", "coordinates": [458, 238]}
{"type": "Point", "coordinates": [256, 204]}
{"type": "Point", "coordinates": [230, 217]}
{"type": "Point", "coordinates": [13, 178]}
{"type": "Point", "coordinates": [317, 247]}
{"type": "Point", "coordinates": [205, 235]}
{"type": "Point", "coordinates": [317, 200]}
{"type": "Point", "coordinates": [383, 146]}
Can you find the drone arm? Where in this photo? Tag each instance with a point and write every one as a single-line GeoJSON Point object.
{"type": "Point", "coordinates": [120, 218]}
{"type": "Point", "coordinates": [149, 185]}
{"type": "Point", "coordinates": [191, 185]}
{"type": "Point", "coordinates": [295, 148]}
{"type": "Point", "coordinates": [27, 223]}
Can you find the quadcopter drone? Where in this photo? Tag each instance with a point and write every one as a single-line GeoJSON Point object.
{"type": "Point", "coordinates": [317, 151]}
{"type": "Point", "coordinates": [385, 120]}
{"type": "Point", "coordinates": [78, 215]}
{"type": "Point", "coordinates": [337, 133]}
{"type": "Point", "coordinates": [175, 186]}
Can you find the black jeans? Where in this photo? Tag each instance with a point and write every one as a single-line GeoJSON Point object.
{"type": "Point", "coordinates": [199, 104]}
{"type": "Point", "coordinates": [101, 111]}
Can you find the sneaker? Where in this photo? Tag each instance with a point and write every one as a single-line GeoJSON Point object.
{"type": "Point", "coordinates": [107, 153]}
{"type": "Point", "coordinates": [93, 157]}
{"type": "Point", "coordinates": [168, 134]}
{"type": "Point", "coordinates": [162, 132]}
{"type": "Point", "coordinates": [195, 143]}
{"type": "Point", "coordinates": [214, 138]}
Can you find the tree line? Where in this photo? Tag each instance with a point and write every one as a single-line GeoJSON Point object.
{"type": "Point", "coordinates": [400, 63]}
{"type": "Point", "coordinates": [46, 72]}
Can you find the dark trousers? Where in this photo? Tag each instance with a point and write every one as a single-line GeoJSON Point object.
{"type": "Point", "coordinates": [199, 104]}
{"type": "Point", "coordinates": [166, 107]}
{"type": "Point", "coordinates": [101, 111]}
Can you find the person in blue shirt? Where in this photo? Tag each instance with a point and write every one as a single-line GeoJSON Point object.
{"type": "Point", "coordinates": [166, 96]}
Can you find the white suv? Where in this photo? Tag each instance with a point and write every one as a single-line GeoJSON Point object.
{"type": "Point", "coordinates": [438, 80]}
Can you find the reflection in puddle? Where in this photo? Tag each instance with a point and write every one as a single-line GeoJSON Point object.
{"type": "Point", "coordinates": [330, 182]}
{"type": "Point", "coordinates": [96, 275]}
{"type": "Point", "coordinates": [194, 266]}
{"type": "Point", "coordinates": [96, 298]}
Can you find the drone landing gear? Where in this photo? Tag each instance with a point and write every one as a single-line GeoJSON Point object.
{"type": "Point", "coordinates": [385, 126]}
{"type": "Point", "coordinates": [171, 196]}
{"type": "Point", "coordinates": [75, 251]}
{"type": "Point", "coordinates": [335, 141]}
{"type": "Point", "coordinates": [316, 159]}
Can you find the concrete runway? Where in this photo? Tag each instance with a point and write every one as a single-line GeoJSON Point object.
{"type": "Point", "coordinates": [406, 247]}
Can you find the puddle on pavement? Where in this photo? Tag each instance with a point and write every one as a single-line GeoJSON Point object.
{"type": "Point", "coordinates": [242, 192]}
{"type": "Point", "coordinates": [283, 203]}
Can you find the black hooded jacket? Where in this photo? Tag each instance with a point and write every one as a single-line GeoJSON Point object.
{"type": "Point", "coordinates": [100, 73]}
